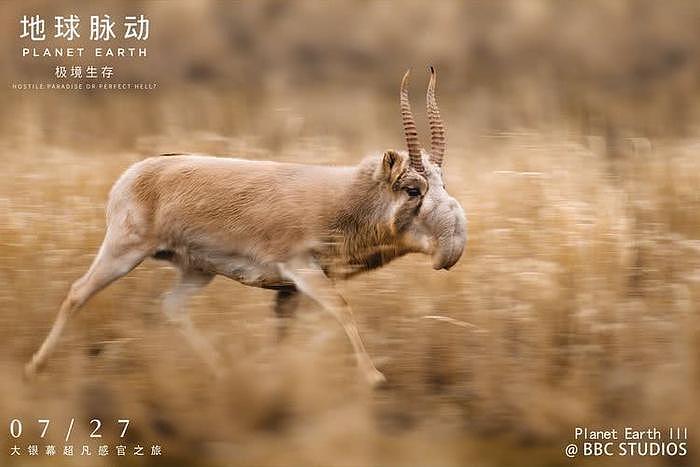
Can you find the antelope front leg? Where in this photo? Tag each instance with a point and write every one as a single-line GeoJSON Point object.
{"type": "Point", "coordinates": [310, 279]}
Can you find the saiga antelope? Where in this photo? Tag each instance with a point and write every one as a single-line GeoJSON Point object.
{"type": "Point", "coordinates": [288, 227]}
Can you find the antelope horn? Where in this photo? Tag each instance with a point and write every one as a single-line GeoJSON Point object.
{"type": "Point", "coordinates": [409, 127]}
{"type": "Point", "coordinates": [437, 129]}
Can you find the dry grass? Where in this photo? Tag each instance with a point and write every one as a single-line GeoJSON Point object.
{"type": "Point", "coordinates": [581, 281]}
{"type": "Point", "coordinates": [572, 146]}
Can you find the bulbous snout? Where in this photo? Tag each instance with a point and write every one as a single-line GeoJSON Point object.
{"type": "Point", "coordinates": [450, 235]}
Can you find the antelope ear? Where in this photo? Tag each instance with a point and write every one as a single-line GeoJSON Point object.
{"type": "Point", "coordinates": [391, 167]}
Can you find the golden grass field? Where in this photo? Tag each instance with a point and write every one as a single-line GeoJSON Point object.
{"type": "Point", "coordinates": [576, 302]}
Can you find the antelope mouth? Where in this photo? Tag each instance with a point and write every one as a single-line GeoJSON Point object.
{"type": "Point", "coordinates": [450, 243]}
{"type": "Point", "coordinates": [445, 258]}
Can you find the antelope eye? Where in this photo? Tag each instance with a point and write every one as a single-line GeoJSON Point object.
{"type": "Point", "coordinates": [413, 192]}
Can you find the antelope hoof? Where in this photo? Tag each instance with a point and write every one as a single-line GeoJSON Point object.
{"type": "Point", "coordinates": [376, 379]}
{"type": "Point", "coordinates": [30, 371]}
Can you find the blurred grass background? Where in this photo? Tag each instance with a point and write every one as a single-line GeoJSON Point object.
{"type": "Point", "coordinates": [572, 145]}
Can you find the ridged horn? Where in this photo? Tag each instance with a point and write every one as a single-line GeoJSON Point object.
{"type": "Point", "coordinates": [437, 129]}
{"type": "Point", "coordinates": [409, 127]}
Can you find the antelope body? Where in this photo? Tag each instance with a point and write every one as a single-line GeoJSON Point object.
{"type": "Point", "coordinates": [293, 228]}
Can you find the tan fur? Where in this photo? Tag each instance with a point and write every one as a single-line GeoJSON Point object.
{"type": "Point", "coordinates": [264, 211]}
{"type": "Point", "coordinates": [289, 227]}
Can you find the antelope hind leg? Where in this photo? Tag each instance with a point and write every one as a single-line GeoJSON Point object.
{"type": "Point", "coordinates": [175, 308]}
{"type": "Point", "coordinates": [114, 260]}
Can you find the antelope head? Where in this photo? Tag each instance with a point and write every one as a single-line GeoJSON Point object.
{"type": "Point", "coordinates": [424, 217]}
